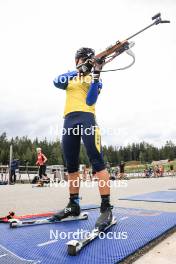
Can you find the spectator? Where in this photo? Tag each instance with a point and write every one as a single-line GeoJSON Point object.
{"type": "Point", "coordinates": [171, 166]}
{"type": "Point", "coordinates": [157, 171]}
{"type": "Point", "coordinates": [150, 171]}
{"type": "Point", "coordinates": [122, 170]}
{"type": "Point", "coordinates": [13, 167]}
{"type": "Point", "coordinates": [161, 169]}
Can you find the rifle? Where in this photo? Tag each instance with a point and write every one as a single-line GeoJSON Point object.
{"type": "Point", "coordinates": [119, 47]}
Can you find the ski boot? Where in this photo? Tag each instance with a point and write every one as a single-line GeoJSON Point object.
{"type": "Point", "coordinates": [72, 209]}
{"type": "Point", "coordinates": [105, 218]}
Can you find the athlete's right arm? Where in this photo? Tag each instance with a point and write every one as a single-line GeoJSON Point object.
{"type": "Point", "coordinates": [62, 80]}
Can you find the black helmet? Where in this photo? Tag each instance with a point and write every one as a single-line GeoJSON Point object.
{"type": "Point", "coordinates": [85, 53]}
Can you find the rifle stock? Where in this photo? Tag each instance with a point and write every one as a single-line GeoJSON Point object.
{"type": "Point", "coordinates": [117, 49]}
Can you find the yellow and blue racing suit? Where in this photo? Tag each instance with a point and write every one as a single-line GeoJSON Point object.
{"type": "Point", "coordinates": [81, 96]}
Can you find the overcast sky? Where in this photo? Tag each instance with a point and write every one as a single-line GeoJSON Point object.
{"type": "Point", "coordinates": [38, 42]}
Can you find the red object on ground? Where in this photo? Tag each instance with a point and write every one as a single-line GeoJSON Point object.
{"type": "Point", "coordinates": [10, 216]}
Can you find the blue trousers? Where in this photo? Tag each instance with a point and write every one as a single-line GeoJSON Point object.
{"type": "Point", "coordinates": [77, 126]}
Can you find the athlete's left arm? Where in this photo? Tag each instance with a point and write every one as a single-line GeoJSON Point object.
{"type": "Point", "coordinates": [93, 92]}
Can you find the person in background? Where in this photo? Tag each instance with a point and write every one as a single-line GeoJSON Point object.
{"type": "Point", "coordinates": [157, 171]}
{"type": "Point", "coordinates": [41, 162]}
{"type": "Point", "coordinates": [161, 169]}
{"type": "Point", "coordinates": [116, 172]}
{"type": "Point", "coordinates": [171, 166]}
{"type": "Point", "coordinates": [122, 170]}
{"type": "Point", "coordinates": [13, 167]}
{"type": "Point", "coordinates": [150, 172]}
{"type": "Point", "coordinates": [146, 172]}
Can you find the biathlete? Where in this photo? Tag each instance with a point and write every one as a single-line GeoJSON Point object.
{"type": "Point", "coordinates": [82, 89]}
{"type": "Point", "coordinates": [41, 162]}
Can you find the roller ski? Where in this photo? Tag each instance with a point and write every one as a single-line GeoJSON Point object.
{"type": "Point", "coordinates": [70, 213]}
{"type": "Point", "coordinates": [103, 223]}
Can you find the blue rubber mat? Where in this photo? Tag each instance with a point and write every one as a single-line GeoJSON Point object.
{"type": "Point", "coordinates": [163, 196]}
{"type": "Point", "coordinates": [7, 257]}
{"type": "Point", "coordinates": [135, 229]}
{"type": "Point", "coordinates": [89, 206]}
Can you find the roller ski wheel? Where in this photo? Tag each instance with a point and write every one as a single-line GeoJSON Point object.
{"type": "Point", "coordinates": [14, 223]}
{"type": "Point", "coordinates": [72, 250]}
{"type": "Point", "coordinates": [75, 246]}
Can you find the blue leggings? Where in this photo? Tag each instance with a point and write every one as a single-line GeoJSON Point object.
{"type": "Point", "coordinates": [83, 125]}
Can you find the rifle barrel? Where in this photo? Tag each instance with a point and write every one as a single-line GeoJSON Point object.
{"type": "Point", "coordinates": [154, 23]}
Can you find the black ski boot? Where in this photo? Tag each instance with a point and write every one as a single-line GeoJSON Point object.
{"type": "Point", "coordinates": [72, 209]}
{"type": "Point", "coordinates": [105, 218]}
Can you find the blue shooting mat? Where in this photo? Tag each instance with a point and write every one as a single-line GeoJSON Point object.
{"type": "Point", "coordinates": [89, 206]}
{"type": "Point", "coordinates": [37, 244]}
{"type": "Point", "coordinates": [162, 196]}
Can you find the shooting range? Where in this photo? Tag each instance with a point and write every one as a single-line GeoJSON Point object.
{"type": "Point", "coordinates": [87, 132]}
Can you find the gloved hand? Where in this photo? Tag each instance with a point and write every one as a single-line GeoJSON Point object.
{"type": "Point", "coordinates": [98, 65]}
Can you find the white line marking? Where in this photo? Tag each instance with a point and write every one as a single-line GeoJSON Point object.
{"type": "Point", "coordinates": [5, 249]}
{"type": "Point", "coordinates": [47, 243]}
{"type": "Point", "coordinates": [123, 218]}
{"type": "Point", "coordinates": [3, 255]}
